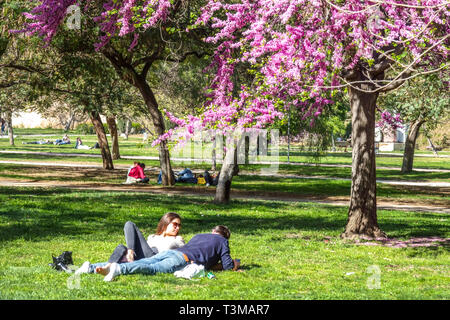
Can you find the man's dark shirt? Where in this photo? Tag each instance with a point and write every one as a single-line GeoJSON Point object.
{"type": "Point", "coordinates": [207, 249]}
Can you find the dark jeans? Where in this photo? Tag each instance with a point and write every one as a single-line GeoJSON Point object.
{"type": "Point", "coordinates": [210, 180]}
{"type": "Point", "coordinates": [135, 241]}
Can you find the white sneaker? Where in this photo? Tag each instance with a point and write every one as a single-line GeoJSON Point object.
{"type": "Point", "coordinates": [114, 271]}
{"type": "Point", "coordinates": [84, 268]}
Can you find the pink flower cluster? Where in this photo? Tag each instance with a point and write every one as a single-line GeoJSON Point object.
{"type": "Point", "coordinates": [46, 17]}
{"type": "Point", "coordinates": [293, 50]}
{"type": "Point", "coordinates": [128, 14]}
{"type": "Point", "coordinates": [118, 18]}
{"type": "Point", "coordinates": [389, 120]}
{"type": "Point", "coordinates": [296, 50]}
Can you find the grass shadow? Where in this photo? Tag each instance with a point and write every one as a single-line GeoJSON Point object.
{"type": "Point", "coordinates": [39, 214]}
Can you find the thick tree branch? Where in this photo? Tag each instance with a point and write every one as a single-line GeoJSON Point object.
{"type": "Point", "coordinates": [22, 68]}
{"type": "Point", "coordinates": [10, 84]}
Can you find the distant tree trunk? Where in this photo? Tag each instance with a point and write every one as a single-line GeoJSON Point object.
{"type": "Point", "coordinates": [213, 155]}
{"type": "Point", "coordinates": [432, 146]}
{"type": "Point", "coordinates": [102, 140]}
{"type": "Point", "coordinates": [229, 169]}
{"type": "Point", "coordinates": [333, 145]}
{"type": "Point", "coordinates": [127, 128]}
{"type": "Point", "coordinates": [111, 120]}
{"type": "Point", "coordinates": [410, 146]}
{"type": "Point", "coordinates": [10, 127]}
{"type": "Point", "coordinates": [69, 122]}
{"type": "Point", "coordinates": [362, 214]}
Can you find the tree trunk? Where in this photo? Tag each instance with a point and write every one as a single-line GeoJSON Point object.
{"type": "Point", "coordinates": [111, 120]}
{"type": "Point", "coordinates": [362, 214]}
{"type": "Point", "coordinates": [213, 156]}
{"type": "Point", "coordinates": [127, 128]}
{"type": "Point", "coordinates": [69, 122]}
{"type": "Point", "coordinates": [410, 146]}
{"type": "Point", "coordinates": [333, 145]}
{"type": "Point", "coordinates": [168, 177]}
{"type": "Point", "coordinates": [10, 127]}
{"type": "Point", "coordinates": [102, 140]}
{"type": "Point", "coordinates": [229, 169]}
{"type": "Point", "coordinates": [432, 146]}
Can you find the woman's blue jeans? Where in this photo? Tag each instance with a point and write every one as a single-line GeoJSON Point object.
{"type": "Point", "coordinates": [165, 262]}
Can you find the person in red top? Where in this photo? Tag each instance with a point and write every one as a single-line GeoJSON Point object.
{"type": "Point", "coordinates": [136, 174]}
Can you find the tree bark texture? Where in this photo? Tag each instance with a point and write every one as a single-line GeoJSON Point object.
{"type": "Point", "coordinates": [111, 120]}
{"type": "Point", "coordinates": [410, 145]}
{"type": "Point", "coordinates": [362, 214]}
{"type": "Point", "coordinates": [102, 140]}
{"type": "Point", "coordinates": [10, 127]}
{"type": "Point", "coordinates": [229, 169]}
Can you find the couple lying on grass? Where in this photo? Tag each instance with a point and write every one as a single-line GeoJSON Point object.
{"type": "Point", "coordinates": [165, 251]}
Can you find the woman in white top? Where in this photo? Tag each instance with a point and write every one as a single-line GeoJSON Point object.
{"type": "Point", "coordinates": [166, 238]}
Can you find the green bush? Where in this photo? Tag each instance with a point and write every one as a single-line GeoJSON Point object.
{"type": "Point", "coordinates": [85, 128]}
{"type": "Point", "coordinates": [137, 127]}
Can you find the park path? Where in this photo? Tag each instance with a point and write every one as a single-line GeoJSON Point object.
{"type": "Point", "coordinates": [391, 182]}
{"type": "Point", "coordinates": [209, 193]}
{"type": "Point", "coordinates": [62, 154]}
{"type": "Point", "coordinates": [243, 173]}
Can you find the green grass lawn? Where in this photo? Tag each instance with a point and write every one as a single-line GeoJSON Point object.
{"type": "Point", "coordinates": [288, 250]}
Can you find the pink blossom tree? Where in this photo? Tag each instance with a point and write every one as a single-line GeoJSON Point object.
{"type": "Point", "coordinates": [133, 36]}
{"type": "Point", "coordinates": [300, 52]}
{"type": "Point", "coordinates": [297, 53]}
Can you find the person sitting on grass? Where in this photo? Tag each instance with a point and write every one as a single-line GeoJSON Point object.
{"type": "Point", "coordinates": [211, 179]}
{"type": "Point", "coordinates": [79, 144]}
{"type": "Point", "coordinates": [205, 249]}
{"type": "Point", "coordinates": [64, 140]}
{"type": "Point", "coordinates": [165, 238]}
{"type": "Point", "coordinates": [136, 174]}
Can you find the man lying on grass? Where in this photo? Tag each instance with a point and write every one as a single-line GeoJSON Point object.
{"type": "Point", "coordinates": [205, 249]}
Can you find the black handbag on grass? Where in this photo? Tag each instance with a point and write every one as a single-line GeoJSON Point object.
{"type": "Point", "coordinates": [62, 262]}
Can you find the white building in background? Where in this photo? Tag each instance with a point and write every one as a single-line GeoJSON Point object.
{"type": "Point", "coordinates": [391, 140]}
{"type": "Point", "coordinates": [31, 119]}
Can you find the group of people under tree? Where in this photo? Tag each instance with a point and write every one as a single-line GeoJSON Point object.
{"type": "Point", "coordinates": [165, 251]}
{"type": "Point", "coordinates": [187, 176]}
